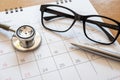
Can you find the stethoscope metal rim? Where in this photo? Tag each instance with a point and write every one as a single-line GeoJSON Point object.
{"type": "Point", "coordinates": [16, 43]}
{"type": "Point", "coordinates": [17, 31]}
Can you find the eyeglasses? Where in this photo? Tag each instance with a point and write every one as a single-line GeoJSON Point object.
{"type": "Point", "coordinates": [60, 19]}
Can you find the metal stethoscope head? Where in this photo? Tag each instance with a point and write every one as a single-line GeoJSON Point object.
{"type": "Point", "coordinates": [25, 38]}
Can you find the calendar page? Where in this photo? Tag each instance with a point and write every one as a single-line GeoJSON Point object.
{"type": "Point", "coordinates": [56, 58]}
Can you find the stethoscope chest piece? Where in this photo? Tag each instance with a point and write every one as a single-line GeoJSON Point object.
{"type": "Point", "coordinates": [26, 38]}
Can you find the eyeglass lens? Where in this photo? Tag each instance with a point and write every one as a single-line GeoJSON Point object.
{"type": "Point", "coordinates": [56, 21]}
{"type": "Point", "coordinates": [100, 32]}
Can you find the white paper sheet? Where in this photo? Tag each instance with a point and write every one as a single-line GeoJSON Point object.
{"type": "Point", "coordinates": [56, 58]}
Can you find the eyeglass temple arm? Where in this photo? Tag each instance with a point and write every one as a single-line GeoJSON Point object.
{"type": "Point", "coordinates": [61, 14]}
{"type": "Point", "coordinates": [58, 14]}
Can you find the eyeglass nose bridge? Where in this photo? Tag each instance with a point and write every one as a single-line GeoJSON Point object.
{"type": "Point", "coordinates": [79, 17]}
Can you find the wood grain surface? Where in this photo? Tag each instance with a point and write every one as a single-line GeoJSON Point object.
{"type": "Point", "coordinates": [109, 8]}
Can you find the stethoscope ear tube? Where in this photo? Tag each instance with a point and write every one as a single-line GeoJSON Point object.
{"type": "Point", "coordinates": [5, 27]}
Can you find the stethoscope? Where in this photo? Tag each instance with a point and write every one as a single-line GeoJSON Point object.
{"type": "Point", "coordinates": [25, 38]}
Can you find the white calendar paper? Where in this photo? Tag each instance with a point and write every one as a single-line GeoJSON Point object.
{"type": "Point", "coordinates": [56, 58]}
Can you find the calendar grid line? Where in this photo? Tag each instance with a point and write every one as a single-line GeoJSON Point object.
{"type": "Point", "coordinates": [53, 58]}
{"type": "Point", "coordinates": [58, 69]}
{"type": "Point", "coordinates": [109, 64]}
{"type": "Point", "coordinates": [55, 62]}
{"type": "Point", "coordinates": [6, 53]}
{"type": "Point", "coordinates": [19, 66]}
{"type": "Point", "coordinates": [49, 57]}
{"type": "Point", "coordinates": [23, 64]}
{"type": "Point", "coordinates": [48, 72]}
{"type": "Point", "coordinates": [31, 77]}
{"type": "Point", "coordinates": [39, 59]}
{"type": "Point", "coordinates": [73, 63]}
{"type": "Point", "coordinates": [9, 67]}
{"type": "Point", "coordinates": [38, 67]}
{"type": "Point", "coordinates": [27, 62]}
{"type": "Point", "coordinates": [93, 67]}
{"type": "Point", "coordinates": [63, 68]}
{"type": "Point", "coordinates": [55, 70]}
{"type": "Point", "coordinates": [71, 57]}
{"type": "Point", "coordinates": [91, 63]}
{"type": "Point", "coordinates": [52, 55]}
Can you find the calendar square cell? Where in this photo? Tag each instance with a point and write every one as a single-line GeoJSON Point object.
{"type": "Point", "coordinates": [12, 73]}
{"type": "Point", "coordinates": [87, 71]}
{"type": "Point", "coordinates": [51, 37]}
{"type": "Point", "coordinates": [78, 56]}
{"type": "Point", "coordinates": [29, 70]}
{"type": "Point", "coordinates": [42, 52]}
{"type": "Point", "coordinates": [52, 76]}
{"type": "Point", "coordinates": [47, 65]}
{"type": "Point", "coordinates": [63, 60]}
{"type": "Point", "coordinates": [6, 47]}
{"type": "Point", "coordinates": [57, 48]}
{"type": "Point", "coordinates": [103, 69]}
{"type": "Point", "coordinates": [69, 46]}
{"type": "Point", "coordinates": [24, 57]}
{"type": "Point", "coordinates": [8, 60]}
{"type": "Point", "coordinates": [69, 74]}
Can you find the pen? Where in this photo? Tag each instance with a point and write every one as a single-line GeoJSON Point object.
{"type": "Point", "coordinates": [95, 50]}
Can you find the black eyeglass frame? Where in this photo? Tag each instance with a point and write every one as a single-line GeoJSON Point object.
{"type": "Point", "coordinates": [82, 18]}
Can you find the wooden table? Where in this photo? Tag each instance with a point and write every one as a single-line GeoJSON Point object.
{"type": "Point", "coordinates": [110, 8]}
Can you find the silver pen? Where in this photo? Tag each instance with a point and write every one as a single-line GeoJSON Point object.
{"type": "Point", "coordinates": [95, 50]}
